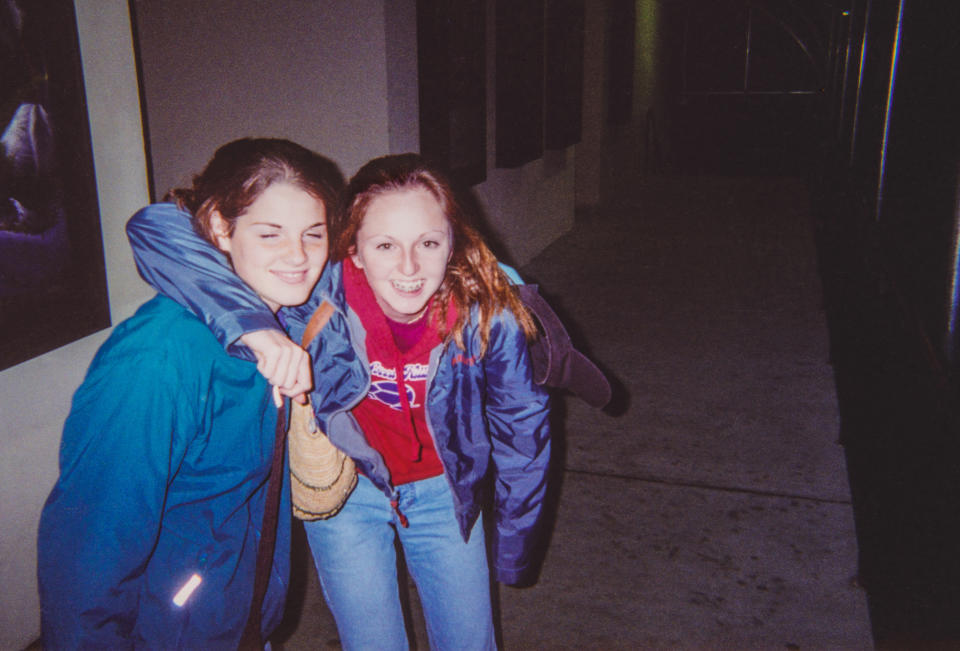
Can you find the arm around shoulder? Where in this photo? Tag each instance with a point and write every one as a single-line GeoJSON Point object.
{"type": "Point", "coordinates": [173, 259]}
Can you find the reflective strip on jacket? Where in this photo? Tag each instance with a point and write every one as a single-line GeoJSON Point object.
{"type": "Point", "coordinates": [163, 475]}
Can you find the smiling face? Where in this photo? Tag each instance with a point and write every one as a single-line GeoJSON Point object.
{"type": "Point", "coordinates": [278, 245]}
{"type": "Point", "coordinates": [403, 246]}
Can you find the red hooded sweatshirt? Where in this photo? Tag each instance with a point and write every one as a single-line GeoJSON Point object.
{"type": "Point", "coordinates": [392, 414]}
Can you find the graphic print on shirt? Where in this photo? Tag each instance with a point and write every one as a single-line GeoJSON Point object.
{"type": "Point", "coordinates": [383, 385]}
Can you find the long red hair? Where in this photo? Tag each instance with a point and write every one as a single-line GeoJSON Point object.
{"type": "Point", "coordinates": [473, 276]}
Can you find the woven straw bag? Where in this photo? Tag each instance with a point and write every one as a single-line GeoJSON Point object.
{"type": "Point", "coordinates": [321, 475]}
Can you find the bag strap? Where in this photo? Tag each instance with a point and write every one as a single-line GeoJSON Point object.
{"type": "Point", "coordinates": [316, 323]}
{"type": "Point", "coordinates": [251, 639]}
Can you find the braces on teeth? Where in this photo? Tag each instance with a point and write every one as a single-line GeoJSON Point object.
{"type": "Point", "coordinates": [410, 286]}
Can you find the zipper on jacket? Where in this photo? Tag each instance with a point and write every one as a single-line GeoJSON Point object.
{"type": "Point", "coordinates": [365, 365]}
{"type": "Point", "coordinates": [361, 353]}
{"type": "Point", "coordinates": [431, 376]}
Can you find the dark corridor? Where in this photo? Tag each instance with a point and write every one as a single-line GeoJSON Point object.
{"type": "Point", "coordinates": [864, 108]}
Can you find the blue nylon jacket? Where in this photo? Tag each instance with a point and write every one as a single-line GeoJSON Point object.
{"type": "Point", "coordinates": [163, 469]}
{"type": "Point", "coordinates": [488, 419]}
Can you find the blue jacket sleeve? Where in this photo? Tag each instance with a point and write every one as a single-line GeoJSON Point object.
{"type": "Point", "coordinates": [517, 412]}
{"type": "Point", "coordinates": [121, 444]}
{"type": "Point", "coordinates": [511, 273]}
{"type": "Point", "coordinates": [180, 264]}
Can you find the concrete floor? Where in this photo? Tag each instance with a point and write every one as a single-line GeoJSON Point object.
{"type": "Point", "coordinates": [710, 508]}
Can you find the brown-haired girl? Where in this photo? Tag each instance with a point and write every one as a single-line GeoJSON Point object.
{"type": "Point", "coordinates": [149, 537]}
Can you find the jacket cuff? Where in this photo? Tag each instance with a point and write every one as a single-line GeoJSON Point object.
{"type": "Point", "coordinates": [230, 329]}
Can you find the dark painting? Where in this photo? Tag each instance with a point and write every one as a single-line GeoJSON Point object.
{"type": "Point", "coordinates": [621, 34]}
{"type": "Point", "coordinates": [52, 279]}
{"type": "Point", "coordinates": [519, 81]}
{"type": "Point", "coordinates": [564, 74]}
{"type": "Point", "coordinates": [451, 42]}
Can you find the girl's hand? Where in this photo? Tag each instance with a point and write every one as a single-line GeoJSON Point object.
{"type": "Point", "coordinates": [284, 364]}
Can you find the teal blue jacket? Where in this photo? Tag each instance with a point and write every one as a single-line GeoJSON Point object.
{"type": "Point", "coordinates": [163, 469]}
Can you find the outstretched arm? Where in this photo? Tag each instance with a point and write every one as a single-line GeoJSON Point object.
{"type": "Point", "coordinates": [180, 264]}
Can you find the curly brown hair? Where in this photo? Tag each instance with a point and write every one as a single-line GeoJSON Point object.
{"type": "Point", "coordinates": [473, 276]}
{"type": "Point", "coordinates": [241, 170]}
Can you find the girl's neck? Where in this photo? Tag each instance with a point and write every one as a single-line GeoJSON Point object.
{"type": "Point", "coordinates": [407, 335]}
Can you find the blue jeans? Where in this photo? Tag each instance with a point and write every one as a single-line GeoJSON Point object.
{"type": "Point", "coordinates": [356, 560]}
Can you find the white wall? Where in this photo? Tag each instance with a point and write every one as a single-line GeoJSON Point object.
{"type": "Point", "coordinates": [531, 206]}
{"type": "Point", "coordinates": [337, 76]}
{"type": "Point", "coordinates": [35, 395]}
{"type": "Point", "coordinates": [402, 89]}
{"type": "Point", "coordinates": [313, 72]}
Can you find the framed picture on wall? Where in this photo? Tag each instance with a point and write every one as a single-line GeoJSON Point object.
{"type": "Point", "coordinates": [52, 278]}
